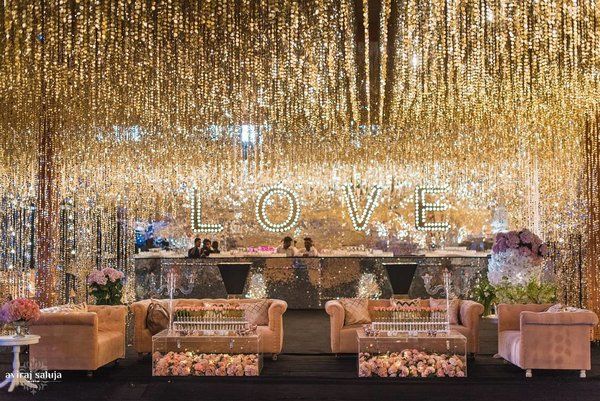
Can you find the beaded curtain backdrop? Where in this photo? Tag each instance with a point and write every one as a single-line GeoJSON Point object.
{"type": "Point", "coordinates": [111, 112]}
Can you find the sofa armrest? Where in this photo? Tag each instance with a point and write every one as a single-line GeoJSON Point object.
{"type": "Point", "coordinates": [509, 315]}
{"type": "Point", "coordinates": [583, 318]}
{"type": "Point", "coordinates": [276, 311]}
{"type": "Point", "coordinates": [336, 313]}
{"type": "Point", "coordinates": [69, 340]}
{"type": "Point", "coordinates": [470, 312]}
{"type": "Point", "coordinates": [140, 310]}
{"type": "Point", "coordinates": [110, 318]}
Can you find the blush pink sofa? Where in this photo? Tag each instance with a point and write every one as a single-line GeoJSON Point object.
{"type": "Point", "coordinates": [531, 338]}
{"type": "Point", "coordinates": [344, 338]}
{"type": "Point", "coordinates": [271, 335]}
{"type": "Point", "coordinates": [79, 340]}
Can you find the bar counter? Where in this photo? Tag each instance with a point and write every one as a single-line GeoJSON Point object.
{"type": "Point", "coordinates": [305, 282]}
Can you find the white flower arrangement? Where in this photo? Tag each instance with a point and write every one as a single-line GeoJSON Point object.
{"type": "Point", "coordinates": [510, 266]}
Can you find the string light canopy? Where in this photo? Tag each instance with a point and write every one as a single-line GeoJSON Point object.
{"type": "Point", "coordinates": [119, 106]}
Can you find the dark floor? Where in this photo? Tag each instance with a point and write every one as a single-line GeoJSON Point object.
{"type": "Point", "coordinates": [313, 375]}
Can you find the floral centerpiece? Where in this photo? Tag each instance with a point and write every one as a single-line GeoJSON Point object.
{"type": "Point", "coordinates": [214, 311]}
{"type": "Point", "coordinates": [212, 319]}
{"type": "Point", "coordinates": [484, 293]}
{"type": "Point", "coordinates": [516, 266]}
{"type": "Point", "coordinates": [106, 286]}
{"type": "Point", "coordinates": [19, 312]}
{"type": "Point", "coordinates": [414, 319]}
{"type": "Point", "coordinates": [408, 313]}
{"type": "Point", "coordinates": [517, 257]}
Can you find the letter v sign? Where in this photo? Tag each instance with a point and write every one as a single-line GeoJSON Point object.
{"type": "Point", "coordinates": [360, 222]}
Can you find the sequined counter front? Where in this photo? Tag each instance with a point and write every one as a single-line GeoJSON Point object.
{"type": "Point", "coordinates": [304, 283]}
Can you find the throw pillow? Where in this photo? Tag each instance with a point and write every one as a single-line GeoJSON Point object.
{"type": "Point", "coordinates": [157, 318]}
{"type": "Point", "coordinates": [454, 307]}
{"type": "Point", "coordinates": [356, 311]}
{"type": "Point", "coordinates": [256, 312]}
{"type": "Point", "coordinates": [399, 303]}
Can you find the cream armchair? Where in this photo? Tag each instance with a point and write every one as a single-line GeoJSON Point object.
{"type": "Point", "coordinates": [344, 339]}
{"type": "Point", "coordinates": [79, 340]}
{"type": "Point", "coordinates": [271, 335]}
{"type": "Point", "coordinates": [531, 338]}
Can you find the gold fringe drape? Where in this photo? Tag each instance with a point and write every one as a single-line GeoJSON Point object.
{"type": "Point", "coordinates": [592, 196]}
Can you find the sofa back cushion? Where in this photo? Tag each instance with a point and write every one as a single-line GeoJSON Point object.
{"type": "Point", "coordinates": [67, 308]}
{"type": "Point", "coordinates": [454, 307]}
{"type": "Point", "coordinates": [256, 312]}
{"type": "Point", "coordinates": [398, 303]}
{"type": "Point", "coordinates": [157, 318]}
{"type": "Point", "coordinates": [356, 311]}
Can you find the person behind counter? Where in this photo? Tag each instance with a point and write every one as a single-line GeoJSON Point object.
{"type": "Point", "coordinates": [195, 252]}
{"type": "Point", "coordinates": [287, 247]}
{"type": "Point", "coordinates": [206, 249]}
{"type": "Point", "coordinates": [309, 249]}
{"type": "Point", "coordinates": [215, 247]}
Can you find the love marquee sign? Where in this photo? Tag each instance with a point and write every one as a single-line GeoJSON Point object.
{"type": "Point", "coordinates": [359, 219]}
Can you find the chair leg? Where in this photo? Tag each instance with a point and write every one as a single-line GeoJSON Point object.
{"type": "Point", "coordinates": [582, 374]}
{"type": "Point", "coordinates": [528, 373]}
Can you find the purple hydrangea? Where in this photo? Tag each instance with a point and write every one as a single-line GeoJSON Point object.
{"type": "Point", "coordinates": [526, 236]}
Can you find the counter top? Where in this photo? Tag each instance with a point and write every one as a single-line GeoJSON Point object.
{"type": "Point", "coordinates": [229, 255]}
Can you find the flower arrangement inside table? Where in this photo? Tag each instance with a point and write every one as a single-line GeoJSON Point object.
{"type": "Point", "coordinates": [19, 312]}
{"type": "Point", "coordinates": [221, 319]}
{"type": "Point", "coordinates": [411, 319]}
{"type": "Point", "coordinates": [203, 364]}
{"type": "Point", "coordinates": [411, 363]}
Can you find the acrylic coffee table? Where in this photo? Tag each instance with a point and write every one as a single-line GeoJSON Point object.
{"type": "Point", "coordinates": [387, 354]}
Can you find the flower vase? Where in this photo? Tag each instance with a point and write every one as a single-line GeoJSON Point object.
{"type": "Point", "coordinates": [19, 326]}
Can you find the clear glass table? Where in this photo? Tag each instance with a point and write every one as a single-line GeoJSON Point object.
{"type": "Point", "coordinates": [176, 354]}
{"type": "Point", "coordinates": [419, 355]}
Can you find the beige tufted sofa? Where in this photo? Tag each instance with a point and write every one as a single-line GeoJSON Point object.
{"type": "Point", "coordinates": [344, 339]}
{"type": "Point", "coordinates": [79, 340]}
{"type": "Point", "coordinates": [531, 338]}
{"type": "Point", "coordinates": [271, 335]}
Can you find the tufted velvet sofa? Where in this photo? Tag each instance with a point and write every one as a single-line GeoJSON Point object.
{"type": "Point", "coordinates": [531, 338]}
{"type": "Point", "coordinates": [344, 339]}
{"type": "Point", "coordinates": [79, 340]}
{"type": "Point", "coordinates": [271, 335]}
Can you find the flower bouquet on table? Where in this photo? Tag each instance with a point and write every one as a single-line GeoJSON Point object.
{"type": "Point", "coordinates": [516, 267]}
{"type": "Point", "coordinates": [19, 312]}
{"type": "Point", "coordinates": [106, 286]}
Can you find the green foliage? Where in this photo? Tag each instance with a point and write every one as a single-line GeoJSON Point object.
{"type": "Point", "coordinates": [108, 294]}
{"type": "Point", "coordinates": [534, 292]}
{"type": "Point", "coordinates": [484, 293]}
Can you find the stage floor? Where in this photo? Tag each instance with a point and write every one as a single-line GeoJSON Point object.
{"type": "Point", "coordinates": [314, 374]}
